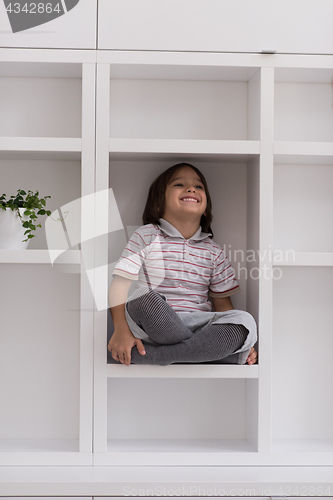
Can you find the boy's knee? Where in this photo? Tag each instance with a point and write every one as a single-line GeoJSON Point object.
{"type": "Point", "coordinates": [143, 301]}
{"type": "Point", "coordinates": [249, 322]}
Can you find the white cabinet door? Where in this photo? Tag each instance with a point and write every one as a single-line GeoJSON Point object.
{"type": "Point", "coordinates": [217, 25]}
{"type": "Point", "coordinates": [54, 24]}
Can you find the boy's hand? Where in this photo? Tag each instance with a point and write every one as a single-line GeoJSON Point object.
{"type": "Point", "coordinates": [121, 344]}
{"type": "Point", "coordinates": [252, 357]}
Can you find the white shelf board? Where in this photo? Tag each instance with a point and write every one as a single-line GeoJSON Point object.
{"type": "Point", "coordinates": [111, 481]}
{"type": "Point", "coordinates": [51, 148]}
{"type": "Point", "coordinates": [303, 152]}
{"type": "Point", "coordinates": [176, 452]}
{"type": "Point", "coordinates": [178, 445]}
{"type": "Point", "coordinates": [211, 150]}
{"type": "Point", "coordinates": [44, 63]}
{"type": "Point", "coordinates": [291, 258]}
{"type": "Point", "coordinates": [303, 446]}
{"type": "Point", "coordinates": [39, 445]}
{"type": "Point", "coordinates": [42, 452]}
{"type": "Point", "coordinates": [305, 75]}
{"type": "Point", "coordinates": [182, 371]}
{"type": "Point", "coordinates": [70, 257]}
{"type": "Point", "coordinates": [208, 452]}
{"type": "Point", "coordinates": [180, 65]}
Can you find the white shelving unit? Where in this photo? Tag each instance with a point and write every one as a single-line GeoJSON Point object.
{"type": "Point", "coordinates": [302, 319]}
{"type": "Point", "coordinates": [47, 143]}
{"type": "Point", "coordinates": [244, 121]}
{"type": "Point", "coordinates": [154, 111]}
{"type": "Point", "coordinates": [260, 128]}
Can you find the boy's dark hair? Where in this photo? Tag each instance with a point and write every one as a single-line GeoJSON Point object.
{"type": "Point", "coordinates": [155, 204]}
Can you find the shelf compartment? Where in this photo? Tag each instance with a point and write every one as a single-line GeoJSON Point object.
{"type": "Point", "coordinates": [61, 179]}
{"type": "Point", "coordinates": [301, 363]}
{"type": "Point", "coordinates": [57, 101]}
{"type": "Point", "coordinates": [189, 103]}
{"type": "Point", "coordinates": [44, 148]}
{"type": "Point", "coordinates": [177, 415]}
{"type": "Point", "coordinates": [233, 187]}
{"type": "Point", "coordinates": [303, 110]}
{"type": "Point", "coordinates": [303, 210]}
{"type": "Point", "coordinates": [182, 371]}
{"type": "Point", "coordinates": [41, 403]}
{"type": "Point", "coordinates": [228, 184]}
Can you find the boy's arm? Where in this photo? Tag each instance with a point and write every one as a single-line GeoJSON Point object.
{"type": "Point", "coordinates": [225, 304]}
{"type": "Point", "coordinates": [122, 340]}
{"type": "Point", "coordinates": [222, 305]}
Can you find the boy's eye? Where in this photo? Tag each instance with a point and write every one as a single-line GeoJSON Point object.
{"type": "Point", "coordinates": [199, 186]}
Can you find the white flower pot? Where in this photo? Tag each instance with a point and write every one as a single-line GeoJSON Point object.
{"type": "Point", "coordinates": [11, 230]}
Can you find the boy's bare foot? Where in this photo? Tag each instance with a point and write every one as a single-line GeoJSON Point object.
{"type": "Point", "coordinates": [252, 357]}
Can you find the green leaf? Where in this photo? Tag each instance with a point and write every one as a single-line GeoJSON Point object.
{"type": "Point", "coordinates": [41, 212]}
{"type": "Point", "coordinates": [26, 224]}
{"type": "Point", "coordinates": [27, 231]}
{"type": "Point", "coordinates": [31, 236]}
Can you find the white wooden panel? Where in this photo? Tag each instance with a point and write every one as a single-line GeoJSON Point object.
{"type": "Point", "coordinates": [101, 225]}
{"type": "Point", "coordinates": [38, 257]}
{"type": "Point", "coordinates": [56, 102]}
{"type": "Point", "coordinates": [182, 371]}
{"type": "Point", "coordinates": [158, 149]}
{"type": "Point", "coordinates": [265, 264]}
{"type": "Point", "coordinates": [292, 258]}
{"type": "Point", "coordinates": [75, 29]}
{"type": "Point", "coordinates": [303, 209]}
{"type": "Point", "coordinates": [302, 367]}
{"type": "Point", "coordinates": [47, 498]}
{"type": "Point", "coordinates": [141, 481]}
{"type": "Point", "coordinates": [39, 353]}
{"type": "Point", "coordinates": [303, 112]}
{"type": "Point", "coordinates": [174, 109]}
{"type": "Point", "coordinates": [87, 234]}
{"type": "Point", "coordinates": [167, 409]}
{"type": "Point", "coordinates": [216, 25]}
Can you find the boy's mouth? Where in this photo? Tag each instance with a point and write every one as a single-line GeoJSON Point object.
{"type": "Point", "coordinates": [190, 199]}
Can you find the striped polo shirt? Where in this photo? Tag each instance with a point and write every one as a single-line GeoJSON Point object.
{"type": "Point", "coordinates": [187, 272]}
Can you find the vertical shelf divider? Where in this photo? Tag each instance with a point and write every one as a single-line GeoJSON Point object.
{"type": "Point", "coordinates": [101, 227]}
{"type": "Point", "coordinates": [87, 233]}
{"type": "Point", "coordinates": [265, 261]}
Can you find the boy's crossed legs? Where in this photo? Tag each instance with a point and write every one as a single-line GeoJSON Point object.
{"type": "Point", "coordinates": [177, 342]}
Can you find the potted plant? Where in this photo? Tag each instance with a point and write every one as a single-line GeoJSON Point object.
{"type": "Point", "coordinates": [18, 218]}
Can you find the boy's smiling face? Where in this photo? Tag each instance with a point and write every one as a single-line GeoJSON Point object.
{"type": "Point", "coordinates": [185, 196]}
